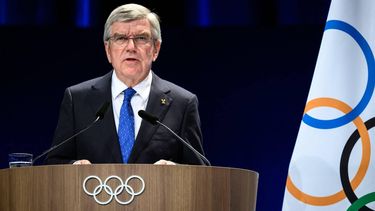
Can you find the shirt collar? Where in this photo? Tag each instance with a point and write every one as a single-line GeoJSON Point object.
{"type": "Point", "coordinates": [142, 89]}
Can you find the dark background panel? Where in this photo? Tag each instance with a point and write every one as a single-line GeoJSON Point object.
{"type": "Point", "coordinates": [249, 62]}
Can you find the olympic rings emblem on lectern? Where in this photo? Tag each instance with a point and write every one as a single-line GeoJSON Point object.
{"type": "Point", "coordinates": [118, 190]}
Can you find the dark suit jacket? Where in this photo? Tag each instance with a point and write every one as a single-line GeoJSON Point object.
{"type": "Point", "coordinates": [100, 143]}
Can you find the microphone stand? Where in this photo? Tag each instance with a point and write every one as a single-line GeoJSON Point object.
{"type": "Point", "coordinates": [185, 143]}
{"type": "Point", "coordinates": [65, 141]}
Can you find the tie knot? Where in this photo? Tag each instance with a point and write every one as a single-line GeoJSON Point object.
{"type": "Point", "coordinates": [128, 94]}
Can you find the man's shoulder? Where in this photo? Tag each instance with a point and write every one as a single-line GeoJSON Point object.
{"type": "Point", "coordinates": [92, 83]}
{"type": "Point", "coordinates": [173, 88]}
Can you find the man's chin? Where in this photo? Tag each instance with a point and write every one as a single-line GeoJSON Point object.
{"type": "Point", "coordinates": [132, 76]}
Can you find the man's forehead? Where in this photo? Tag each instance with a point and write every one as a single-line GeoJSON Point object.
{"type": "Point", "coordinates": [134, 25]}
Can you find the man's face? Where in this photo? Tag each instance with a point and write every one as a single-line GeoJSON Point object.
{"type": "Point", "coordinates": [131, 50]}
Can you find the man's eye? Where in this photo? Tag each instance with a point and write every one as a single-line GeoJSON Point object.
{"type": "Point", "coordinates": [121, 38]}
{"type": "Point", "coordinates": [141, 38]}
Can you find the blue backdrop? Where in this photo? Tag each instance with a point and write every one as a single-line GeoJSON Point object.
{"type": "Point", "coordinates": [250, 63]}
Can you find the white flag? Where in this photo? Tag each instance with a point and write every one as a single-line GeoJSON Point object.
{"type": "Point", "coordinates": [332, 166]}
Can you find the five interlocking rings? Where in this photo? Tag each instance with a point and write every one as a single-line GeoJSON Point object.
{"type": "Point", "coordinates": [98, 189]}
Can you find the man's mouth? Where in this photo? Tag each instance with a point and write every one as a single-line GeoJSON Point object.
{"type": "Point", "coordinates": [131, 59]}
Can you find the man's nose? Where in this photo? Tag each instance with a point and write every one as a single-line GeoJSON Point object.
{"type": "Point", "coordinates": [131, 43]}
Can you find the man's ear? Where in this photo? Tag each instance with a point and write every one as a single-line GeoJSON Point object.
{"type": "Point", "coordinates": [107, 49]}
{"type": "Point", "coordinates": [156, 50]}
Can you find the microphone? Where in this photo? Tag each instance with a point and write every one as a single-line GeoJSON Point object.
{"type": "Point", "coordinates": [99, 116]}
{"type": "Point", "coordinates": [100, 113]}
{"type": "Point", "coordinates": [154, 120]}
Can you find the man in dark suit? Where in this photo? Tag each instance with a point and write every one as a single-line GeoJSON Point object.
{"type": "Point", "coordinates": [132, 40]}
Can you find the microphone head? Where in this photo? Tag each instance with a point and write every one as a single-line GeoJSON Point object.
{"type": "Point", "coordinates": [148, 117]}
{"type": "Point", "coordinates": [100, 113]}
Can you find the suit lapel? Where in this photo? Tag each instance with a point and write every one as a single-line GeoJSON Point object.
{"type": "Point", "coordinates": [158, 104]}
{"type": "Point", "coordinates": [101, 93]}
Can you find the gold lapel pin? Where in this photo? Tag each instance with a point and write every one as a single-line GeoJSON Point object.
{"type": "Point", "coordinates": [163, 101]}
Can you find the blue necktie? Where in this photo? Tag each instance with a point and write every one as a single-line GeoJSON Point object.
{"type": "Point", "coordinates": [126, 125]}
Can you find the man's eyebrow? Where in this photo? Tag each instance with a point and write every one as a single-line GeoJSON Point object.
{"type": "Point", "coordinates": [127, 35]}
{"type": "Point", "coordinates": [143, 34]}
{"type": "Point", "coordinates": [119, 34]}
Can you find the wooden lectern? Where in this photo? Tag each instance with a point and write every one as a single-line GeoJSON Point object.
{"type": "Point", "coordinates": [127, 187]}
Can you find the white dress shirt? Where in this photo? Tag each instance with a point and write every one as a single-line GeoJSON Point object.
{"type": "Point", "coordinates": [138, 101]}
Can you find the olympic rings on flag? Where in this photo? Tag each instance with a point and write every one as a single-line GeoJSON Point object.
{"type": "Point", "coordinates": [369, 56]}
{"type": "Point", "coordinates": [331, 199]}
{"type": "Point", "coordinates": [361, 202]}
{"type": "Point", "coordinates": [344, 162]}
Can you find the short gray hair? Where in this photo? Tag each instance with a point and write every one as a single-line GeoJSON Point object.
{"type": "Point", "coordinates": [131, 12]}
